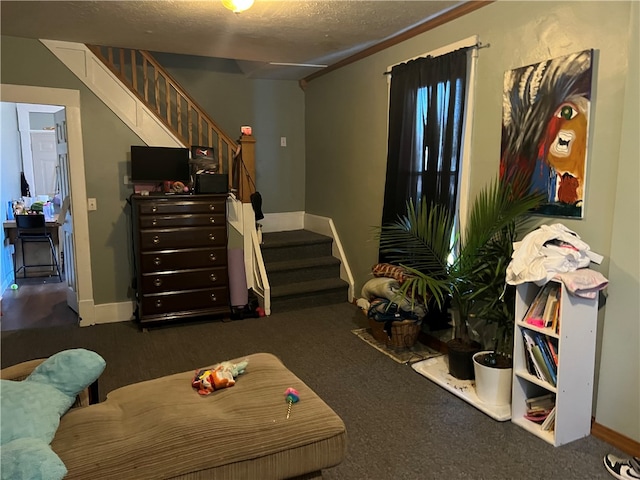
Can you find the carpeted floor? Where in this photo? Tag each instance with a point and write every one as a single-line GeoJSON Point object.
{"type": "Point", "coordinates": [400, 425]}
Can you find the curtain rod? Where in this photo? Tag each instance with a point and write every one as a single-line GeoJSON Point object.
{"type": "Point", "coordinates": [478, 45]}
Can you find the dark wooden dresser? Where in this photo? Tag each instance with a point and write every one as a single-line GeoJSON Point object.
{"type": "Point", "coordinates": [180, 250]}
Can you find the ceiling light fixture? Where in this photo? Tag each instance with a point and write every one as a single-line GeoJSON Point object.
{"type": "Point", "coordinates": [237, 6]}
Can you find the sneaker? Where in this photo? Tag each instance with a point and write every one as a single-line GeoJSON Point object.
{"type": "Point", "coordinates": [621, 468]}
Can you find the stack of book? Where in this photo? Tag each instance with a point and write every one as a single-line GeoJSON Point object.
{"type": "Point", "coordinates": [541, 354]}
{"type": "Point", "coordinates": [540, 408]}
{"type": "Point", "coordinates": [545, 307]}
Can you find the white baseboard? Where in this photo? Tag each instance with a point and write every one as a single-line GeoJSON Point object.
{"type": "Point", "coordinates": [110, 313]}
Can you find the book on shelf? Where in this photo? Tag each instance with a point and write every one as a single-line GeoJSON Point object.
{"type": "Point", "coordinates": [547, 357]}
{"type": "Point", "coordinates": [541, 311]}
{"type": "Point", "coordinates": [539, 408]}
{"type": "Point", "coordinates": [555, 323]}
{"type": "Point", "coordinates": [545, 401]}
{"type": "Point", "coordinates": [546, 374]}
{"type": "Point", "coordinates": [553, 349]}
{"type": "Point", "coordinates": [532, 364]}
{"type": "Point", "coordinates": [550, 306]}
{"type": "Point", "coordinates": [536, 308]}
{"type": "Point", "coordinates": [549, 422]}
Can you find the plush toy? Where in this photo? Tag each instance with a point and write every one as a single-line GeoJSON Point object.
{"type": "Point", "coordinates": [221, 375]}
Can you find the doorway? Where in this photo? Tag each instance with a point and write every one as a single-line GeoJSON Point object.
{"type": "Point", "coordinates": [79, 289]}
{"type": "Point", "coordinates": [41, 300]}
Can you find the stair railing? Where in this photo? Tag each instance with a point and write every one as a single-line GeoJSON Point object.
{"type": "Point", "coordinates": [155, 87]}
{"type": "Point", "coordinates": [260, 281]}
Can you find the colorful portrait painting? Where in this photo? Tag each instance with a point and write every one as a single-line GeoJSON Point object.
{"type": "Point", "coordinates": [545, 125]}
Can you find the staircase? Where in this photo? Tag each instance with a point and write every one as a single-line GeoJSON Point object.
{"type": "Point", "coordinates": [301, 267]}
{"type": "Point", "coordinates": [302, 270]}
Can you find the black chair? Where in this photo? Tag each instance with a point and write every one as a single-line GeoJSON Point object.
{"type": "Point", "coordinates": [33, 229]}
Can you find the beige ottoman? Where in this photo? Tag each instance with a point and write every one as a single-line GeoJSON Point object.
{"type": "Point", "coordinates": [162, 429]}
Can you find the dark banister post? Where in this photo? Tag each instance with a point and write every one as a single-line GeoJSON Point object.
{"type": "Point", "coordinates": [248, 172]}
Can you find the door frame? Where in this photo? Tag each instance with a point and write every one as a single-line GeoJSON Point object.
{"type": "Point", "coordinates": [70, 100]}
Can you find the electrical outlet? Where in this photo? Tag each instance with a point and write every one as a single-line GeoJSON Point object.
{"type": "Point", "coordinates": [283, 141]}
{"type": "Point", "coordinates": [92, 204]}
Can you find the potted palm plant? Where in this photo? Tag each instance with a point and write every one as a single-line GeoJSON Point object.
{"type": "Point", "coordinates": [468, 269]}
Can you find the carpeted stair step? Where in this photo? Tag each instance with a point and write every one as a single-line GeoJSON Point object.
{"type": "Point", "coordinates": [314, 293]}
{"type": "Point", "coordinates": [298, 244]}
{"type": "Point", "coordinates": [302, 270]}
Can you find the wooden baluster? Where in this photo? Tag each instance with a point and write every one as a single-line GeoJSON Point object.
{"type": "Point", "coordinates": [179, 113]}
{"type": "Point", "coordinates": [156, 88]}
{"type": "Point", "coordinates": [168, 97]}
{"type": "Point", "coordinates": [134, 72]}
{"type": "Point", "coordinates": [110, 55]}
{"type": "Point", "coordinates": [189, 123]}
{"type": "Point", "coordinates": [145, 78]}
{"type": "Point", "coordinates": [122, 70]}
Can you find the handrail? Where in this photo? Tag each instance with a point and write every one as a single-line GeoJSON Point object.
{"type": "Point", "coordinates": [261, 284]}
{"type": "Point", "coordinates": [154, 86]}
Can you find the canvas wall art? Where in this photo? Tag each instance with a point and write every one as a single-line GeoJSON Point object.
{"type": "Point", "coordinates": [545, 126]}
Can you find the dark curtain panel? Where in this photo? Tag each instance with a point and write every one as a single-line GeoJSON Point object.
{"type": "Point", "coordinates": [426, 113]}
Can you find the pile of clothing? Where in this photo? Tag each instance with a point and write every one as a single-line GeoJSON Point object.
{"type": "Point", "coordinates": [556, 252]}
{"type": "Point", "coordinates": [382, 300]}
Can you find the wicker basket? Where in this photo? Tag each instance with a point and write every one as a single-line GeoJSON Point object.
{"type": "Point", "coordinates": [404, 334]}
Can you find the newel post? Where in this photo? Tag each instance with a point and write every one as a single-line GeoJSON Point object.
{"type": "Point", "coordinates": [247, 183]}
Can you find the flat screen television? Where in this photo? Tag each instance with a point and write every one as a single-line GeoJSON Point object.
{"type": "Point", "coordinates": [159, 164]}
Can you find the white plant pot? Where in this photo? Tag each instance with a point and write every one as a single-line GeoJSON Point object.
{"type": "Point", "coordinates": [493, 385]}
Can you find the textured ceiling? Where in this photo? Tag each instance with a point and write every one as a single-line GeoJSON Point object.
{"type": "Point", "coordinates": [291, 31]}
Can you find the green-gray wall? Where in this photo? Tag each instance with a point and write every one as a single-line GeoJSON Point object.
{"type": "Point", "coordinates": [274, 109]}
{"type": "Point", "coordinates": [346, 133]}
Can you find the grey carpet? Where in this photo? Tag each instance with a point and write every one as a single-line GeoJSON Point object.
{"type": "Point", "coordinates": [400, 425]}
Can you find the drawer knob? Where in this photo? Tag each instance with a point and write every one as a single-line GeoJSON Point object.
{"type": "Point", "coordinates": [157, 282]}
{"type": "Point", "coordinates": [212, 220]}
{"type": "Point", "coordinates": [213, 297]}
{"type": "Point", "coordinates": [157, 261]}
{"type": "Point", "coordinates": [213, 277]}
{"type": "Point", "coordinates": [212, 257]}
{"type": "Point", "coordinates": [154, 222]}
{"type": "Point", "coordinates": [212, 207]}
{"type": "Point", "coordinates": [158, 303]}
{"type": "Point", "coordinates": [212, 237]}
{"type": "Point", "coordinates": [154, 209]}
{"type": "Point", "coordinates": [156, 239]}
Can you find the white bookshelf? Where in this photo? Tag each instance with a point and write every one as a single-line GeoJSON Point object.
{"type": "Point", "coordinates": [576, 359]}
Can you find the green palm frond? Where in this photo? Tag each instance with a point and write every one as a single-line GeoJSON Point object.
{"type": "Point", "coordinates": [421, 241]}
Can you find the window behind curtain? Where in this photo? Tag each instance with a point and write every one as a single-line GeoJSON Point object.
{"type": "Point", "coordinates": [426, 118]}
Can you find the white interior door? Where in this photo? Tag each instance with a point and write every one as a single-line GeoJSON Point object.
{"type": "Point", "coordinates": [45, 161]}
{"type": "Point", "coordinates": [65, 217]}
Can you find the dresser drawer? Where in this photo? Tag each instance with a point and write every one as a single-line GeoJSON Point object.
{"type": "Point", "coordinates": [195, 205]}
{"type": "Point", "coordinates": [183, 259]}
{"type": "Point", "coordinates": [183, 237]}
{"type": "Point", "coordinates": [187, 301]}
{"type": "Point", "coordinates": [183, 280]}
{"type": "Point", "coordinates": [199, 220]}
